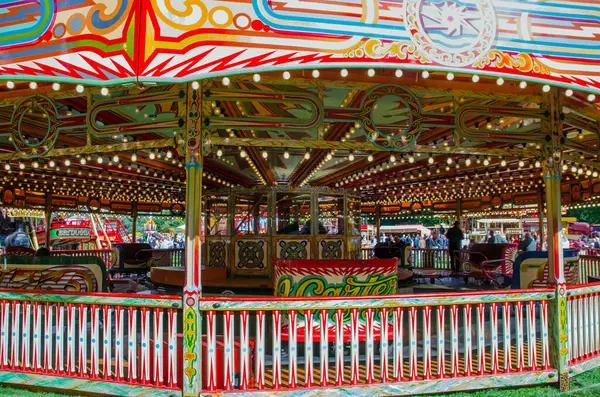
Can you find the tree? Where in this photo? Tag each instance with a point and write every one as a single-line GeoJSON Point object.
{"type": "Point", "coordinates": [590, 215]}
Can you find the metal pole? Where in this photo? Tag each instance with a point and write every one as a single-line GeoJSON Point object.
{"type": "Point", "coordinates": [192, 290]}
{"type": "Point", "coordinates": [541, 217]}
{"type": "Point", "coordinates": [48, 218]}
{"type": "Point", "coordinates": [557, 312]}
{"type": "Point", "coordinates": [134, 218]}
{"type": "Point", "coordinates": [378, 221]}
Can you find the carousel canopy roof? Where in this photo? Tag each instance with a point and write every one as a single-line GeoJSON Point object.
{"type": "Point", "coordinates": [409, 116]}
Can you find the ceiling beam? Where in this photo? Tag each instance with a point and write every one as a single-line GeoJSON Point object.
{"type": "Point", "coordinates": [430, 86]}
{"type": "Point", "coordinates": [369, 147]}
{"type": "Point", "coordinates": [96, 149]}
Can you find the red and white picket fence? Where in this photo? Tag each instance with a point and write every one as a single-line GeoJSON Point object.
{"type": "Point", "coordinates": [107, 337]}
{"type": "Point", "coordinates": [583, 319]}
{"type": "Point", "coordinates": [282, 343]}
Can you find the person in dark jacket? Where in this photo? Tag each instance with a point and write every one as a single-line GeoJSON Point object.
{"type": "Point", "coordinates": [455, 237]}
{"type": "Point", "coordinates": [527, 244]}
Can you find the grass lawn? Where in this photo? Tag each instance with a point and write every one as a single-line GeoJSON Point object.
{"type": "Point", "coordinates": [584, 385]}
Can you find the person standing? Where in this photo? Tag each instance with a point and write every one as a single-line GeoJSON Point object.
{"type": "Point", "coordinates": [527, 244]}
{"type": "Point", "coordinates": [455, 237]}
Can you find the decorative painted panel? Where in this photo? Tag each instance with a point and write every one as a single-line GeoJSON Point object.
{"type": "Point", "coordinates": [251, 256]}
{"type": "Point", "coordinates": [158, 40]}
{"type": "Point", "coordinates": [292, 248]}
{"type": "Point", "coordinates": [217, 252]}
{"type": "Point", "coordinates": [331, 248]}
{"type": "Point", "coordinates": [57, 273]}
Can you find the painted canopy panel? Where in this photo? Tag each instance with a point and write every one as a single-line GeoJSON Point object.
{"type": "Point", "coordinates": [161, 40]}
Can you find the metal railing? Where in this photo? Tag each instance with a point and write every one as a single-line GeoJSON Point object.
{"type": "Point", "coordinates": [106, 255]}
{"type": "Point", "coordinates": [287, 344]}
{"type": "Point", "coordinates": [160, 257]}
{"type": "Point", "coordinates": [117, 338]}
{"type": "Point", "coordinates": [367, 253]}
{"type": "Point", "coordinates": [435, 258]}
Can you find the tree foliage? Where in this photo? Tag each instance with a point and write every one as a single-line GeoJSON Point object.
{"type": "Point", "coordinates": [590, 215]}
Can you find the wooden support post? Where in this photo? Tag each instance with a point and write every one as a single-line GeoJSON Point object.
{"type": "Point", "coordinates": [552, 175]}
{"type": "Point", "coordinates": [459, 212]}
{"type": "Point", "coordinates": [134, 218]}
{"type": "Point", "coordinates": [192, 290]}
{"type": "Point", "coordinates": [378, 221]}
{"type": "Point", "coordinates": [541, 217]}
{"type": "Point", "coordinates": [47, 218]}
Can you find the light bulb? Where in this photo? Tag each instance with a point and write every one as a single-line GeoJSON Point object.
{"type": "Point", "coordinates": [546, 88]}
{"type": "Point", "coordinates": [329, 156]}
{"type": "Point", "coordinates": [425, 74]}
{"type": "Point", "coordinates": [67, 162]}
{"type": "Point", "coordinates": [152, 155]}
{"type": "Point", "coordinates": [195, 85]}
{"type": "Point", "coordinates": [286, 154]}
{"type": "Point", "coordinates": [500, 81]}
{"type": "Point", "coordinates": [134, 157]}
{"type": "Point", "coordinates": [226, 81]}
{"type": "Point", "coordinates": [286, 75]}
{"type": "Point", "coordinates": [100, 160]}
{"type": "Point", "coordinates": [33, 85]}
{"type": "Point", "coordinates": [56, 86]}
{"type": "Point", "coordinates": [569, 92]}
{"type": "Point", "coordinates": [523, 84]}
{"type": "Point", "coordinates": [169, 154]}
{"type": "Point", "coordinates": [503, 163]}
{"type": "Point", "coordinates": [521, 163]}
{"type": "Point", "coordinates": [83, 161]}
{"type": "Point", "coordinates": [316, 73]}
{"type": "Point", "coordinates": [392, 159]}
{"type": "Point", "coordinates": [79, 88]}
{"type": "Point", "coordinates": [307, 154]}
{"type": "Point", "coordinates": [450, 76]}
{"type": "Point", "coordinates": [10, 85]}
{"type": "Point", "coordinates": [115, 158]}
{"type": "Point", "coordinates": [265, 154]}
{"type": "Point", "coordinates": [219, 152]}
{"type": "Point", "coordinates": [256, 77]}
{"type": "Point", "coordinates": [370, 158]}
{"type": "Point", "coordinates": [351, 156]}
{"type": "Point", "coordinates": [344, 72]}
{"type": "Point", "coordinates": [591, 97]}
{"type": "Point", "coordinates": [475, 78]}
{"type": "Point", "coordinates": [468, 162]}
{"type": "Point", "coordinates": [7, 167]}
{"type": "Point", "coordinates": [537, 163]}
{"type": "Point", "coordinates": [486, 162]}
{"type": "Point", "coordinates": [22, 165]}
{"type": "Point", "coordinates": [51, 163]}
{"type": "Point", "coordinates": [398, 73]}
{"type": "Point", "coordinates": [242, 153]}
{"type": "Point", "coordinates": [104, 91]}
{"type": "Point", "coordinates": [371, 72]}
{"type": "Point", "coordinates": [430, 160]}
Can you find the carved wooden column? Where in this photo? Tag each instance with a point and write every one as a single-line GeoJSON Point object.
{"type": "Point", "coordinates": [194, 143]}
{"type": "Point", "coordinates": [552, 127]}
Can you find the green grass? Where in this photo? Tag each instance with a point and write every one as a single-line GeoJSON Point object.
{"type": "Point", "coordinates": [584, 385]}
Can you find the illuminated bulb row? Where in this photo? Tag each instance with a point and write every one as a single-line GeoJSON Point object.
{"type": "Point", "coordinates": [318, 167]}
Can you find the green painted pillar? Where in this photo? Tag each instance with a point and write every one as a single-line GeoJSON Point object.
{"type": "Point", "coordinates": [557, 311]}
{"type": "Point", "coordinates": [192, 290]}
